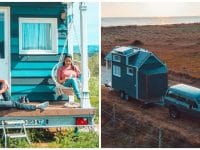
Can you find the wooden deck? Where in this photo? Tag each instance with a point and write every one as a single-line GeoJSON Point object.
{"type": "Point", "coordinates": [54, 109]}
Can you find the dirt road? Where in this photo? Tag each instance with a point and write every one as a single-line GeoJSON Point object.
{"type": "Point", "coordinates": [186, 128]}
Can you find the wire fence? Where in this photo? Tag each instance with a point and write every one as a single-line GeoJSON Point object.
{"type": "Point", "coordinates": [143, 133]}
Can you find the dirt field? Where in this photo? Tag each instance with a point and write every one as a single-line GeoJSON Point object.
{"type": "Point", "coordinates": [184, 132]}
{"type": "Point", "coordinates": [179, 47]}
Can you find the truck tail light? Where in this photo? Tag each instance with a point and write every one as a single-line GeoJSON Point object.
{"type": "Point", "coordinates": [81, 121]}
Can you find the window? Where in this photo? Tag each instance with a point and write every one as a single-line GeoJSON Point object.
{"type": "Point", "coordinates": [116, 58]}
{"type": "Point", "coordinates": [116, 71]}
{"type": "Point", "coordinates": [192, 103]}
{"type": "Point", "coordinates": [171, 94]}
{"type": "Point", "coordinates": [38, 36]}
{"type": "Point", "coordinates": [130, 71]}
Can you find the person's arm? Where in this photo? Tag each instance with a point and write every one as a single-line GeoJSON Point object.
{"type": "Point", "coordinates": [59, 77]}
{"type": "Point", "coordinates": [77, 70]}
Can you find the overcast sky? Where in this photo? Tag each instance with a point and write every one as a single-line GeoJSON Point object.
{"type": "Point", "coordinates": [152, 9]}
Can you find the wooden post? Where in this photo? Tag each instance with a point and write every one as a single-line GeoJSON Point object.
{"type": "Point", "coordinates": [160, 136]}
{"type": "Point", "coordinates": [114, 116]}
{"type": "Point", "coordinates": [70, 33]}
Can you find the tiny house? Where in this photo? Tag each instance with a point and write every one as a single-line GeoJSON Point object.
{"type": "Point", "coordinates": [138, 73]}
{"type": "Point", "coordinates": [33, 36]}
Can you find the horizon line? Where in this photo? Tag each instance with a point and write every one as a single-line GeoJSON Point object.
{"type": "Point", "coordinates": [148, 16]}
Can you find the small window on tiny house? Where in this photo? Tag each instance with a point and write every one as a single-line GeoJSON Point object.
{"type": "Point", "coordinates": [130, 71]}
{"type": "Point", "coordinates": [117, 71]}
{"type": "Point", "coordinates": [116, 58]}
{"type": "Point", "coordinates": [38, 36]}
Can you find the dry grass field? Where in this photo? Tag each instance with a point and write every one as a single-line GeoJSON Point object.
{"type": "Point", "coordinates": [177, 45]}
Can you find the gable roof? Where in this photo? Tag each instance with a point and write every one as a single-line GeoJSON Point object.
{"type": "Point", "coordinates": [139, 59]}
{"type": "Point", "coordinates": [136, 56]}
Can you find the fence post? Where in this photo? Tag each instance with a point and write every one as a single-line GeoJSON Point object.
{"type": "Point", "coordinates": [114, 117]}
{"type": "Point", "coordinates": [160, 136]}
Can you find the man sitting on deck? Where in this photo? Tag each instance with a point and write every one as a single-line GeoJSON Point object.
{"type": "Point", "coordinates": [6, 102]}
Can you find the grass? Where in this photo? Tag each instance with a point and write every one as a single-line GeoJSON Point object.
{"type": "Point", "coordinates": [67, 139]}
{"type": "Point", "coordinates": [93, 64]}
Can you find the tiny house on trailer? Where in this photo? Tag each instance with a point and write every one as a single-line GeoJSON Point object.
{"type": "Point", "coordinates": [137, 73]}
{"type": "Point", "coordinates": [33, 35]}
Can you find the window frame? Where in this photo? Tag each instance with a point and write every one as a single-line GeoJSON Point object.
{"type": "Point", "coordinates": [128, 72]}
{"type": "Point", "coordinates": [53, 22]}
{"type": "Point", "coordinates": [116, 72]}
{"type": "Point", "coordinates": [118, 58]}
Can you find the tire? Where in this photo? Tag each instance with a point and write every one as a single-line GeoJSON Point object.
{"type": "Point", "coordinates": [122, 95]}
{"type": "Point", "coordinates": [126, 97]}
{"type": "Point", "coordinates": [174, 113]}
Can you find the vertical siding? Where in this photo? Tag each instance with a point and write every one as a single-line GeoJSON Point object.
{"type": "Point", "coordinates": [130, 87]}
{"type": "Point", "coordinates": [118, 83]}
{"type": "Point", "coordinates": [126, 82]}
{"type": "Point", "coordinates": [31, 75]}
{"type": "Point", "coordinates": [152, 82]}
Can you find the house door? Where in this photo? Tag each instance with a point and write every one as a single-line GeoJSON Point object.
{"type": "Point", "coordinates": [5, 43]}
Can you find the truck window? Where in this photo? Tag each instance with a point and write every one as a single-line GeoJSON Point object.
{"type": "Point", "coordinates": [182, 99]}
{"type": "Point", "coordinates": [177, 97]}
{"type": "Point", "coordinates": [192, 103]}
{"type": "Point", "coordinates": [171, 94]}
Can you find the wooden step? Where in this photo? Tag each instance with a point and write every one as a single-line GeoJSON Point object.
{"type": "Point", "coordinates": [16, 135]}
{"type": "Point", "coordinates": [14, 122]}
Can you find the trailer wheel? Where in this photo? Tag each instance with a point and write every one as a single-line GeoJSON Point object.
{"type": "Point", "coordinates": [122, 95]}
{"type": "Point", "coordinates": [174, 113]}
{"type": "Point", "coordinates": [126, 97]}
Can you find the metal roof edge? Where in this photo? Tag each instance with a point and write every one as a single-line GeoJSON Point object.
{"type": "Point", "coordinates": [144, 60]}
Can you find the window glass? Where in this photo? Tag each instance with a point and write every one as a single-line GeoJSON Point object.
{"type": "Point", "coordinates": [130, 71]}
{"type": "Point", "coordinates": [116, 71]}
{"type": "Point", "coordinates": [171, 94]}
{"type": "Point", "coordinates": [2, 36]}
{"type": "Point", "coordinates": [116, 58]}
{"type": "Point", "coordinates": [36, 36]}
{"type": "Point", "coordinates": [192, 103]}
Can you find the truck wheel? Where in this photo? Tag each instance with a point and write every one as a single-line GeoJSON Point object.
{"type": "Point", "coordinates": [174, 113]}
{"type": "Point", "coordinates": [122, 95]}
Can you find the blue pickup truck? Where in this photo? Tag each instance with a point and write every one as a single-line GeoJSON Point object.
{"type": "Point", "coordinates": [182, 99]}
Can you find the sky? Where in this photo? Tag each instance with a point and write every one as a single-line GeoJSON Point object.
{"type": "Point", "coordinates": [150, 9]}
{"type": "Point", "coordinates": [93, 22]}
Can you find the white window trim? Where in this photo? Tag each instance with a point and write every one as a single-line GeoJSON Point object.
{"type": "Point", "coordinates": [131, 74]}
{"type": "Point", "coordinates": [6, 11]}
{"type": "Point", "coordinates": [116, 60]}
{"type": "Point", "coordinates": [114, 70]}
{"type": "Point", "coordinates": [53, 22]}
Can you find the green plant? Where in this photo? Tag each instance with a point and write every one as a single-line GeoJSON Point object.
{"type": "Point", "coordinates": [82, 140]}
{"type": "Point", "coordinates": [67, 139]}
{"type": "Point", "coordinates": [40, 135]}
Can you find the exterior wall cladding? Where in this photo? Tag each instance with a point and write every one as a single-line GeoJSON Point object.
{"type": "Point", "coordinates": [149, 74]}
{"type": "Point", "coordinates": [31, 74]}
